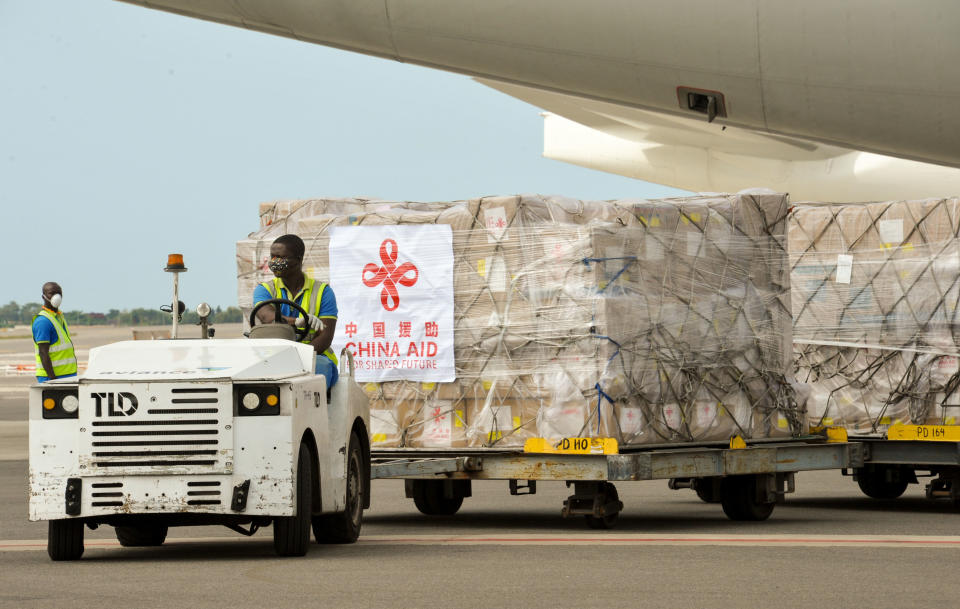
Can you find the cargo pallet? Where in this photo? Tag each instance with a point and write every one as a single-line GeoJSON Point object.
{"type": "Point", "coordinates": [746, 479]}
{"type": "Point", "coordinates": [907, 453]}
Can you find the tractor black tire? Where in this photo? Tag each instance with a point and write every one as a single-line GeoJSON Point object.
{"type": "Point", "coordinates": [429, 498]}
{"type": "Point", "coordinates": [738, 496]}
{"type": "Point", "coordinates": [291, 534]}
{"type": "Point", "coordinates": [65, 539]}
{"type": "Point", "coordinates": [344, 527]}
{"type": "Point", "coordinates": [875, 485]}
{"type": "Point", "coordinates": [141, 536]}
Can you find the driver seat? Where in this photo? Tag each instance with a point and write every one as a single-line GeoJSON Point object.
{"type": "Point", "coordinates": [282, 331]}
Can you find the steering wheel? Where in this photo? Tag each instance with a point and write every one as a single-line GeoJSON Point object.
{"type": "Point", "coordinates": [300, 333]}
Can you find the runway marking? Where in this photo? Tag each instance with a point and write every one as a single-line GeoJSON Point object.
{"type": "Point", "coordinates": [825, 541]}
{"type": "Point", "coordinates": [663, 540]}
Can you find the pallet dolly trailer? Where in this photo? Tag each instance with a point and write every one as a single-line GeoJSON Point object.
{"type": "Point", "coordinates": [905, 454]}
{"type": "Point", "coordinates": [747, 479]}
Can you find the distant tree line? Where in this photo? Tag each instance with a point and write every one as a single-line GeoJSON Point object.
{"type": "Point", "coordinates": [12, 314]}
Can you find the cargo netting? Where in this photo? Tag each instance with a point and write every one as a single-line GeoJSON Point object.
{"type": "Point", "coordinates": [875, 294]}
{"type": "Point", "coordinates": [650, 321]}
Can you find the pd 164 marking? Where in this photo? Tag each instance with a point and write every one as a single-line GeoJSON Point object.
{"type": "Point", "coordinates": [924, 433]}
{"type": "Point", "coordinates": [930, 432]}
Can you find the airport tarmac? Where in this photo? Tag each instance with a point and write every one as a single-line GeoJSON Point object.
{"type": "Point", "coordinates": [828, 545]}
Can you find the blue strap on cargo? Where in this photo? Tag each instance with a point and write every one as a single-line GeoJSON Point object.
{"type": "Point", "coordinates": [601, 394]}
{"type": "Point", "coordinates": [629, 259]}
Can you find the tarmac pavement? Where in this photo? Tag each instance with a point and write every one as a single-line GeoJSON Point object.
{"type": "Point", "coordinates": [827, 546]}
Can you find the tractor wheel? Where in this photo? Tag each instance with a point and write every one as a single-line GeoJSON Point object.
{"type": "Point", "coordinates": [345, 526]}
{"type": "Point", "coordinates": [138, 536]}
{"type": "Point", "coordinates": [65, 539]}
{"type": "Point", "coordinates": [291, 534]}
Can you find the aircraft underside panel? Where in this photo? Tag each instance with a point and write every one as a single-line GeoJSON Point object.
{"type": "Point", "coordinates": [850, 177]}
{"type": "Point", "coordinates": [879, 76]}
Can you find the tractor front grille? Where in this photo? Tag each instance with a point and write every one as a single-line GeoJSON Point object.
{"type": "Point", "coordinates": [139, 428]}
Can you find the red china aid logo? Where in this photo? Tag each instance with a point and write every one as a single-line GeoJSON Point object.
{"type": "Point", "coordinates": [389, 275]}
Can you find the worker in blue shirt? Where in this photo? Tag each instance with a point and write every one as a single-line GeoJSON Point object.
{"type": "Point", "coordinates": [315, 297]}
{"type": "Point", "coordinates": [52, 344]}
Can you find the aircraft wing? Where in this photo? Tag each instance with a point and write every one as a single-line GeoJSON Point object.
{"type": "Point", "coordinates": [693, 154]}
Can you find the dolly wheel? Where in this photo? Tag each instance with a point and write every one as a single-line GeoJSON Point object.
{"type": "Point", "coordinates": [707, 490]}
{"type": "Point", "coordinates": [882, 482]}
{"type": "Point", "coordinates": [429, 497]}
{"type": "Point", "coordinates": [738, 496]}
{"type": "Point", "coordinates": [611, 501]}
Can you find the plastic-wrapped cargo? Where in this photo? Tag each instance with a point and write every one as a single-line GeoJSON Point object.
{"type": "Point", "coordinates": [875, 293]}
{"type": "Point", "coordinates": [650, 321]}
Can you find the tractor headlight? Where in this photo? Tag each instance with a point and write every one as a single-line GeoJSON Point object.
{"type": "Point", "coordinates": [250, 400]}
{"type": "Point", "coordinates": [70, 403]}
{"type": "Point", "coordinates": [256, 400]}
{"type": "Point", "coordinates": [60, 403]}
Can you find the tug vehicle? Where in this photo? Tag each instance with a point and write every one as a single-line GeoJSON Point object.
{"type": "Point", "coordinates": [185, 432]}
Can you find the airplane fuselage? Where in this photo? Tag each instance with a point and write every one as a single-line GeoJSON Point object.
{"type": "Point", "coordinates": [874, 75]}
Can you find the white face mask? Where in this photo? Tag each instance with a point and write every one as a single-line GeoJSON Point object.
{"type": "Point", "coordinates": [55, 301]}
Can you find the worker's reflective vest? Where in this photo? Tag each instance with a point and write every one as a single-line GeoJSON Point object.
{"type": "Point", "coordinates": [61, 352]}
{"type": "Point", "coordinates": [313, 298]}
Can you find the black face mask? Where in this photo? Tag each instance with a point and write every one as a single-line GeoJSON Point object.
{"type": "Point", "coordinates": [279, 264]}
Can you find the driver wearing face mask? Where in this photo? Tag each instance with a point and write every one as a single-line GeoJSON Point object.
{"type": "Point", "coordinates": [315, 297]}
{"type": "Point", "coordinates": [51, 338]}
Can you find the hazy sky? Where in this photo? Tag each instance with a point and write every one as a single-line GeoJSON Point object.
{"type": "Point", "coordinates": [128, 133]}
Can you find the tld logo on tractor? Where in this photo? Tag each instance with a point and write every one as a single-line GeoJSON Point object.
{"type": "Point", "coordinates": [118, 404]}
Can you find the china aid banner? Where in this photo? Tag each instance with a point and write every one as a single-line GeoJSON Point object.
{"type": "Point", "coordinates": [394, 288]}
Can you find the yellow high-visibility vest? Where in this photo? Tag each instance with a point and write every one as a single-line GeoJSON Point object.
{"type": "Point", "coordinates": [313, 298]}
{"type": "Point", "coordinates": [62, 356]}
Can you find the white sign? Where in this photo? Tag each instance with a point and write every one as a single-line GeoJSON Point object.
{"type": "Point", "coordinates": [844, 268]}
{"type": "Point", "coordinates": [495, 219]}
{"type": "Point", "coordinates": [496, 270]}
{"type": "Point", "coordinates": [394, 288]}
{"type": "Point", "coordinates": [438, 421]}
{"type": "Point", "coordinates": [671, 416]}
{"type": "Point", "coordinates": [949, 364]}
{"type": "Point", "coordinates": [631, 421]}
{"type": "Point", "coordinates": [891, 231]}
